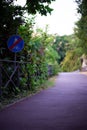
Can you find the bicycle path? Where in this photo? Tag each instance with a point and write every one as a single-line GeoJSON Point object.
{"type": "Point", "coordinates": [61, 107]}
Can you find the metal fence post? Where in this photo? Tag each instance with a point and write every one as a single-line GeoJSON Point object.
{"type": "Point", "coordinates": [18, 75]}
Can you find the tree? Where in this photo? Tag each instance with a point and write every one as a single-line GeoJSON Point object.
{"type": "Point", "coordinates": [73, 52]}
{"type": "Point", "coordinates": [60, 47]}
{"type": "Point", "coordinates": [40, 6]}
{"type": "Point", "coordinates": [11, 17]}
{"type": "Point", "coordinates": [71, 61]}
{"type": "Point", "coordinates": [82, 7]}
{"type": "Point", "coordinates": [81, 29]}
{"type": "Point", "coordinates": [78, 42]}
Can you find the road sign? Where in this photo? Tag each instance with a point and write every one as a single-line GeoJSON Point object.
{"type": "Point", "coordinates": [15, 43]}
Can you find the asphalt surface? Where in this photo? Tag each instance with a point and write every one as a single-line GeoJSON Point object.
{"type": "Point", "coordinates": [62, 107]}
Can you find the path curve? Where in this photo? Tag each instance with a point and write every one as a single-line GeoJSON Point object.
{"type": "Point", "coordinates": [62, 107]}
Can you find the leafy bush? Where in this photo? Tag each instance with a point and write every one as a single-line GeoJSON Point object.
{"type": "Point", "coordinates": [72, 61]}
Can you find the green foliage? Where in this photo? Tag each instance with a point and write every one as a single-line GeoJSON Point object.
{"type": "Point", "coordinates": [13, 22]}
{"type": "Point", "coordinates": [72, 61]}
{"type": "Point", "coordinates": [77, 44]}
{"type": "Point", "coordinates": [10, 19]}
{"type": "Point", "coordinates": [26, 31]}
{"type": "Point", "coordinates": [81, 25]}
{"type": "Point", "coordinates": [40, 6]}
{"type": "Point", "coordinates": [12, 16]}
{"type": "Point", "coordinates": [60, 46]}
{"type": "Point", "coordinates": [82, 7]}
{"type": "Point", "coordinates": [51, 55]}
{"type": "Point", "coordinates": [35, 52]}
{"type": "Point", "coordinates": [56, 68]}
{"type": "Point", "coordinates": [81, 33]}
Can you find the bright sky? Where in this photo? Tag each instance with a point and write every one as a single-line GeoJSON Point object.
{"type": "Point", "coordinates": [62, 20]}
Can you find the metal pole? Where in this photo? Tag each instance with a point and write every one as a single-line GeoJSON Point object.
{"type": "Point", "coordinates": [15, 60]}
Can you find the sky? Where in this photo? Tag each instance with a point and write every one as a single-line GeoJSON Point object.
{"type": "Point", "coordinates": [62, 19]}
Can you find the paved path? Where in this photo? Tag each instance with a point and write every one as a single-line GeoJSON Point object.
{"type": "Point", "coordinates": [62, 107]}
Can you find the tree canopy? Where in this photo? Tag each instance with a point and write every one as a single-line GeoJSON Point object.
{"type": "Point", "coordinates": [40, 6]}
{"type": "Point", "coordinates": [81, 29]}
{"type": "Point", "coordinates": [11, 17]}
{"type": "Point", "coordinates": [78, 47]}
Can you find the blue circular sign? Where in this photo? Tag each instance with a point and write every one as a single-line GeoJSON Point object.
{"type": "Point", "coordinates": [15, 43]}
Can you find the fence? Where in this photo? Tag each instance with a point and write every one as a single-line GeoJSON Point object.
{"type": "Point", "coordinates": [15, 74]}
{"type": "Point", "coordinates": [12, 73]}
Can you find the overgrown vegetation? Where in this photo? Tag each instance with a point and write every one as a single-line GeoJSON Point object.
{"type": "Point", "coordinates": [78, 42]}
{"type": "Point", "coordinates": [72, 60]}
{"type": "Point", "coordinates": [44, 53]}
{"type": "Point", "coordinates": [38, 52]}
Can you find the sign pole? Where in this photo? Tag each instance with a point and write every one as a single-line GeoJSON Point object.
{"type": "Point", "coordinates": [15, 44]}
{"type": "Point", "coordinates": [15, 60]}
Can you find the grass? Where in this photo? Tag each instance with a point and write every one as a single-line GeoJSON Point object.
{"type": "Point", "coordinates": [49, 83]}
{"type": "Point", "coordinates": [4, 102]}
